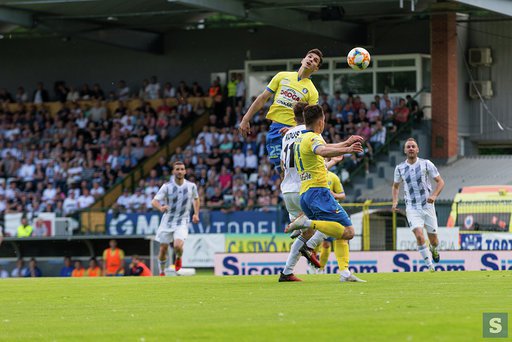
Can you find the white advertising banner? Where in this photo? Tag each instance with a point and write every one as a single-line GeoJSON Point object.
{"type": "Point", "coordinates": [364, 262]}
{"type": "Point", "coordinates": [448, 239]}
{"type": "Point", "coordinates": [200, 249]}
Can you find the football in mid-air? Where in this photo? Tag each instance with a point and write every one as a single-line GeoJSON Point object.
{"type": "Point", "coordinates": [358, 58]}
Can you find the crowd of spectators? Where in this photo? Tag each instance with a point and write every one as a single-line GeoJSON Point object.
{"type": "Point", "coordinates": [62, 162]}
{"type": "Point", "coordinates": [233, 173]}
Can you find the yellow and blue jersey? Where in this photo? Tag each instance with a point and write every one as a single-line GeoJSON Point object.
{"type": "Point", "coordinates": [310, 166]}
{"type": "Point", "coordinates": [334, 183]}
{"type": "Point", "coordinates": [288, 89]}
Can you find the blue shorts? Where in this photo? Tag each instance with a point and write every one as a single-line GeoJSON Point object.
{"type": "Point", "coordinates": [274, 143]}
{"type": "Point", "coordinates": [319, 204]}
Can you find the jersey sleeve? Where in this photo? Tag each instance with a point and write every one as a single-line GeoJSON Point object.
{"type": "Point", "coordinates": [397, 178]}
{"type": "Point", "coordinates": [274, 83]}
{"type": "Point", "coordinates": [316, 142]}
{"type": "Point", "coordinates": [160, 195]}
{"type": "Point", "coordinates": [195, 194]}
{"type": "Point", "coordinates": [336, 184]}
{"type": "Point", "coordinates": [432, 169]}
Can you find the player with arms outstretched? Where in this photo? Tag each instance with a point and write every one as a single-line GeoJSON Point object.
{"type": "Point", "coordinates": [175, 199]}
{"type": "Point", "coordinates": [288, 88]}
{"type": "Point", "coordinates": [322, 211]}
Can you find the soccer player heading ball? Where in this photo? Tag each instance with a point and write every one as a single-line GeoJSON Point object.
{"type": "Point", "coordinates": [288, 88]}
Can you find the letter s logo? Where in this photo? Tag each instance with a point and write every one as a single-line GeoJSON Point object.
{"type": "Point", "coordinates": [495, 326]}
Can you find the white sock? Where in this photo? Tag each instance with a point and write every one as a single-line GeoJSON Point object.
{"type": "Point", "coordinates": [161, 265]}
{"type": "Point", "coordinates": [294, 255]}
{"type": "Point", "coordinates": [345, 273]}
{"type": "Point", "coordinates": [308, 223]}
{"type": "Point", "coordinates": [425, 254]}
{"type": "Point", "coordinates": [316, 239]}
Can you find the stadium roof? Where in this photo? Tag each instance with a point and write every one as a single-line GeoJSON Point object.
{"type": "Point", "coordinates": [140, 24]}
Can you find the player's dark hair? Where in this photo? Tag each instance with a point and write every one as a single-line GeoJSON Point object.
{"type": "Point", "coordinates": [312, 113]}
{"type": "Point", "coordinates": [318, 53]}
{"type": "Point", "coordinates": [298, 110]}
{"type": "Point", "coordinates": [178, 162]}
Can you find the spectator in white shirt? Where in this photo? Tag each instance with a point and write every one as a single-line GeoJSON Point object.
{"type": "Point", "coordinates": [124, 200]}
{"type": "Point", "coordinates": [238, 159]}
{"type": "Point", "coordinates": [70, 203]}
{"type": "Point", "coordinates": [169, 90]}
{"type": "Point", "coordinates": [97, 190]}
{"type": "Point", "coordinates": [378, 138]}
{"type": "Point", "coordinates": [85, 200]}
{"type": "Point", "coordinates": [150, 137]}
{"type": "Point", "coordinates": [251, 161]}
{"type": "Point", "coordinates": [27, 170]}
{"type": "Point", "coordinates": [137, 200]}
{"type": "Point", "coordinates": [49, 193]}
{"type": "Point", "coordinates": [153, 89]}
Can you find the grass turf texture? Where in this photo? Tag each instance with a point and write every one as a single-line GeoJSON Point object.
{"type": "Point", "coordinates": [442, 306]}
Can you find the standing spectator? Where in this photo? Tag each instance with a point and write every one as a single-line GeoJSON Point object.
{"type": "Point", "coordinates": [24, 229]}
{"type": "Point", "coordinates": [20, 269]}
{"type": "Point", "coordinates": [79, 270]}
{"type": "Point", "coordinates": [97, 93]}
{"type": "Point", "coordinates": [169, 91]}
{"type": "Point", "coordinates": [113, 260]}
{"type": "Point", "coordinates": [232, 95]}
{"type": "Point", "coordinates": [378, 138]}
{"type": "Point", "coordinates": [123, 91]}
{"type": "Point", "coordinates": [33, 271]}
{"type": "Point", "coordinates": [67, 269]}
{"type": "Point", "coordinates": [401, 113]}
{"type": "Point", "coordinates": [153, 89]}
{"type": "Point", "coordinates": [414, 109]}
{"type": "Point", "coordinates": [73, 95]}
{"type": "Point", "coordinates": [40, 94]}
{"type": "Point", "coordinates": [251, 162]}
{"type": "Point", "coordinates": [21, 95]}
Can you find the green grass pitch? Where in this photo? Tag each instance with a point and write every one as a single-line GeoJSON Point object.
{"type": "Point", "coordinates": [442, 306]}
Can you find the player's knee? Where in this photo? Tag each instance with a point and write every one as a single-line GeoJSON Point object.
{"type": "Point", "coordinates": [326, 244]}
{"type": "Point", "coordinates": [348, 234]}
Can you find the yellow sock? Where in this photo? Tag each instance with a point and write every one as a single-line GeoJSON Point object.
{"type": "Point", "coordinates": [324, 255]}
{"type": "Point", "coordinates": [342, 252]}
{"type": "Point", "coordinates": [329, 228]}
{"type": "Point", "coordinates": [317, 248]}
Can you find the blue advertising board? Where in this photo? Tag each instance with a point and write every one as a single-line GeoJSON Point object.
{"type": "Point", "coordinates": [214, 222]}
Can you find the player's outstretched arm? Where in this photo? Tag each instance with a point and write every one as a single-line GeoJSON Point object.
{"type": "Point", "coordinates": [245, 124]}
{"type": "Point", "coordinates": [351, 140]}
{"type": "Point", "coordinates": [334, 150]}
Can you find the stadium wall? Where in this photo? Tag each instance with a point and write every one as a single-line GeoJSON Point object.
{"type": "Point", "coordinates": [495, 35]}
{"type": "Point", "coordinates": [189, 55]}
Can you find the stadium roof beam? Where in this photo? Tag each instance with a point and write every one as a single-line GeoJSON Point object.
{"type": "Point", "coordinates": [498, 6]}
{"type": "Point", "coordinates": [130, 39]}
{"type": "Point", "coordinates": [286, 19]}
{"type": "Point", "coordinates": [17, 17]}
